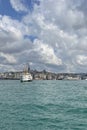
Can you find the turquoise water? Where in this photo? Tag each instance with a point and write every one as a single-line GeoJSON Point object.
{"type": "Point", "coordinates": [43, 105]}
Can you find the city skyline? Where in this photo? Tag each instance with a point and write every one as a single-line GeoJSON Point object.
{"type": "Point", "coordinates": [49, 35]}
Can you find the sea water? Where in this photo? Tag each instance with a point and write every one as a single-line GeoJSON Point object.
{"type": "Point", "coordinates": [43, 105]}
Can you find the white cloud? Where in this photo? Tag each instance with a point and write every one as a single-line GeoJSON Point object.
{"type": "Point", "coordinates": [11, 27]}
{"type": "Point", "coordinates": [46, 53]}
{"type": "Point", "coordinates": [61, 31]}
{"type": "Point", "coordinates": [18, 5]}
{"type": "Point", "coordinates": [81, 60]}
{"type": "Point", "coordinates": [8, 58]}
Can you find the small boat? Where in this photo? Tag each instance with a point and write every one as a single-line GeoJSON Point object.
{"type": "Point", "coordinates": [26, 75]}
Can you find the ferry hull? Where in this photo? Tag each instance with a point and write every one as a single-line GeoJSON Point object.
{"type": "Point", "coordinates": [26, 80]}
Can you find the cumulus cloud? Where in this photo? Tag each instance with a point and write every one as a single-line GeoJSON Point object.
{"type": "Point", "coordinates": [10, 27]}
{"type": "Point", "coordinates": [8, 58]}
{"type": "Point", "coordinates": [82, 60]}
{"type": "Point", "coordinates": [46, 53]}
{"type": "Point", "coordinates": [60, 34]}
{"type": "Point", "coordinates": [18, 5]}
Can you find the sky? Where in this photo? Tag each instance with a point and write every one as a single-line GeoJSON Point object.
{"type": "Point", "coordinates": [48, 34]}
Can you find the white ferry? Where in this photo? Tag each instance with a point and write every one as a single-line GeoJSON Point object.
{"type": "Point", "coordinates": [26, 75]}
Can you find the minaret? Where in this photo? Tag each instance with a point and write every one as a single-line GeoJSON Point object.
{"type": "Point", "coordinates": [28, 68]}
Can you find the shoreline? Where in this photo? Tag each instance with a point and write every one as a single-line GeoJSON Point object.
{"type": "Point", "coordinates": [44, 75]}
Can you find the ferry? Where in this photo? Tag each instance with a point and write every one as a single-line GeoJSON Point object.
{"type": "Point", "coordinates": [26, 75]}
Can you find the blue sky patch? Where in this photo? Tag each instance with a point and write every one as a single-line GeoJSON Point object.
{"type": "Point", "coordinates": [6, 9]}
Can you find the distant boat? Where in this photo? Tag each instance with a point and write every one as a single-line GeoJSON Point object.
{"type": "Point", "coordinates": [26, 75]}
